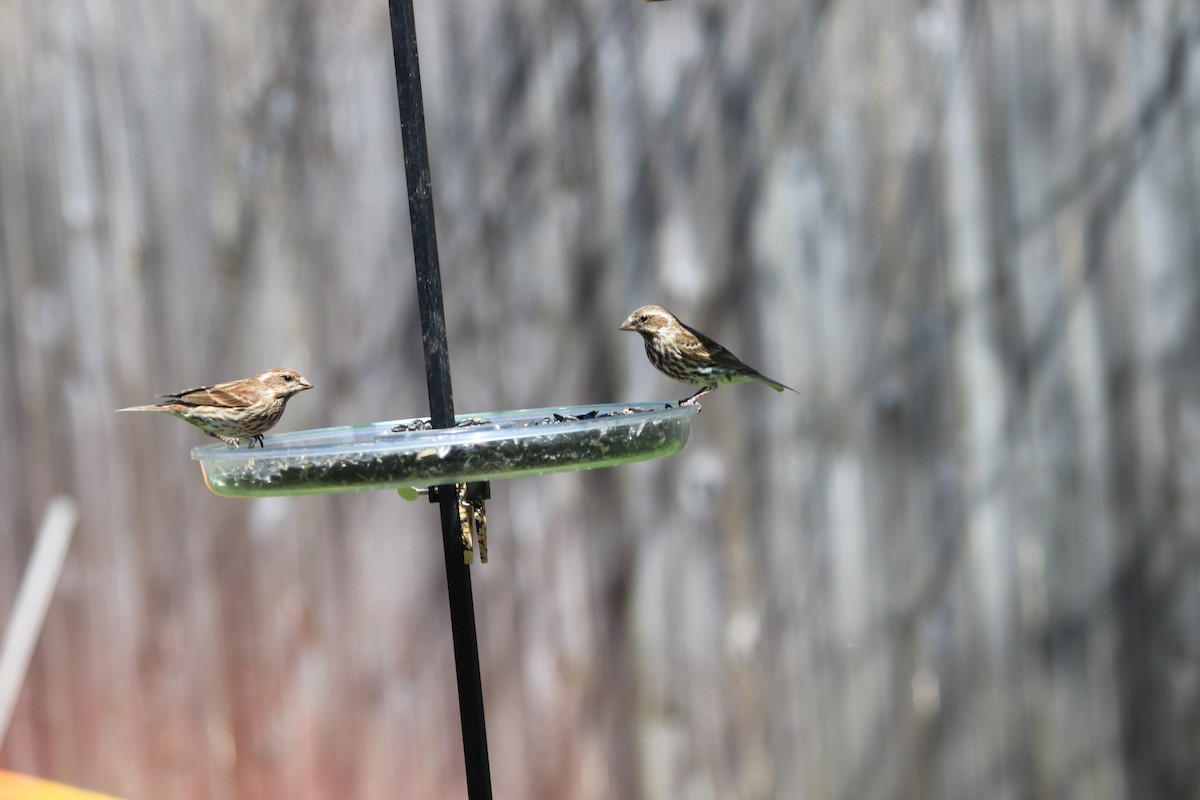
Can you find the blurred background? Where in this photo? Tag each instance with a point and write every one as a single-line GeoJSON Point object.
{"type": "Point", "coordinates": [963, 563]}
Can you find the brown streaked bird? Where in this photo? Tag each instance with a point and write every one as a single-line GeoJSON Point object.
{"type": "Point", "coordinates": [236, 410]}
{"type": "Point", "coordinates": [687, 355]}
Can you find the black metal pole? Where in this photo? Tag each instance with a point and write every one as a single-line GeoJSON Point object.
{"type": "Point", "coordinates": [441, 396]}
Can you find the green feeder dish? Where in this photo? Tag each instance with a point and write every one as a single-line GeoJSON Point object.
{"type": "Point", "coordinates": [482, 447]}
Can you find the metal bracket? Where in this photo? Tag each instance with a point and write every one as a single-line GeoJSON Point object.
{"type": "Point", "coordinates": [472, 514]}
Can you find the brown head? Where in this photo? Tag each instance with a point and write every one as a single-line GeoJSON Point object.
{"type": "Point", "coordinates": [283, 383]}
{"type": "Point", "coordinates": [651, 321]}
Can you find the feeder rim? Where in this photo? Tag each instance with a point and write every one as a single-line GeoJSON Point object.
{"type": "Point", "coordinates": [500, 426]}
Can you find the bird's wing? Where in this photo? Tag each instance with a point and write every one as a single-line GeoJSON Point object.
{"type": "Point", "coordinates": [223, 395]}
{"type": "Point", "coordinates": [704, 347]}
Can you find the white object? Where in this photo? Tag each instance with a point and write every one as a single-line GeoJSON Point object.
{"type": "Point", "coordinates": [33, 601]}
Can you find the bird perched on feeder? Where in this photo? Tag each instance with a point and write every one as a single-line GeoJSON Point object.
{"type": "Point", "coordinates": [236, 410]}
{"type": "Point", "coordinates": [687, 355]}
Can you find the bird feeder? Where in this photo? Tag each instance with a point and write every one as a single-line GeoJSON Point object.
{"type": "Point", "coordinates": [452, 458]}
{"type": "Point", "coordinates": [480, 447]}
{"type": "Point", "coordinates": [411, 455]}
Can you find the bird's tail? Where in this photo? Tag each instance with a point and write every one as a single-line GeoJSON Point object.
{"type": "Point", "coordinates": [774, 384]}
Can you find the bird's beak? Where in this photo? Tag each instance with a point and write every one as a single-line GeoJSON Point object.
{"type": "Point", "coordinates": [627, 325]}
{"type": "Point", "coordinates": [304, 384]}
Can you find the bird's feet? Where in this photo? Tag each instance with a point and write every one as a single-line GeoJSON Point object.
{"type": "Point", "coordinates": [694, 400]}
{"type": "Point", "coordinates": [234, 441]}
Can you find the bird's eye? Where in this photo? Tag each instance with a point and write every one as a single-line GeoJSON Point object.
{"type": "Point", "coordinates": [644, 318]}
{"type": "Point", "coordinates": [287, 378]}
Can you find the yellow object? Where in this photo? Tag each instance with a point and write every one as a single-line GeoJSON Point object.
{"type": "Point", "coordinates": [23, 787]}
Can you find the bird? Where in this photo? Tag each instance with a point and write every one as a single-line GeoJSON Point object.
{"type": "Point", "coordinates": [243, 409]}
{"type": "Point", "coordinates": [687, 355]}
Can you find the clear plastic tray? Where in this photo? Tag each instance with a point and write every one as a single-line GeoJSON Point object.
{"type": "Point", "coordinates": [490, 446]}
